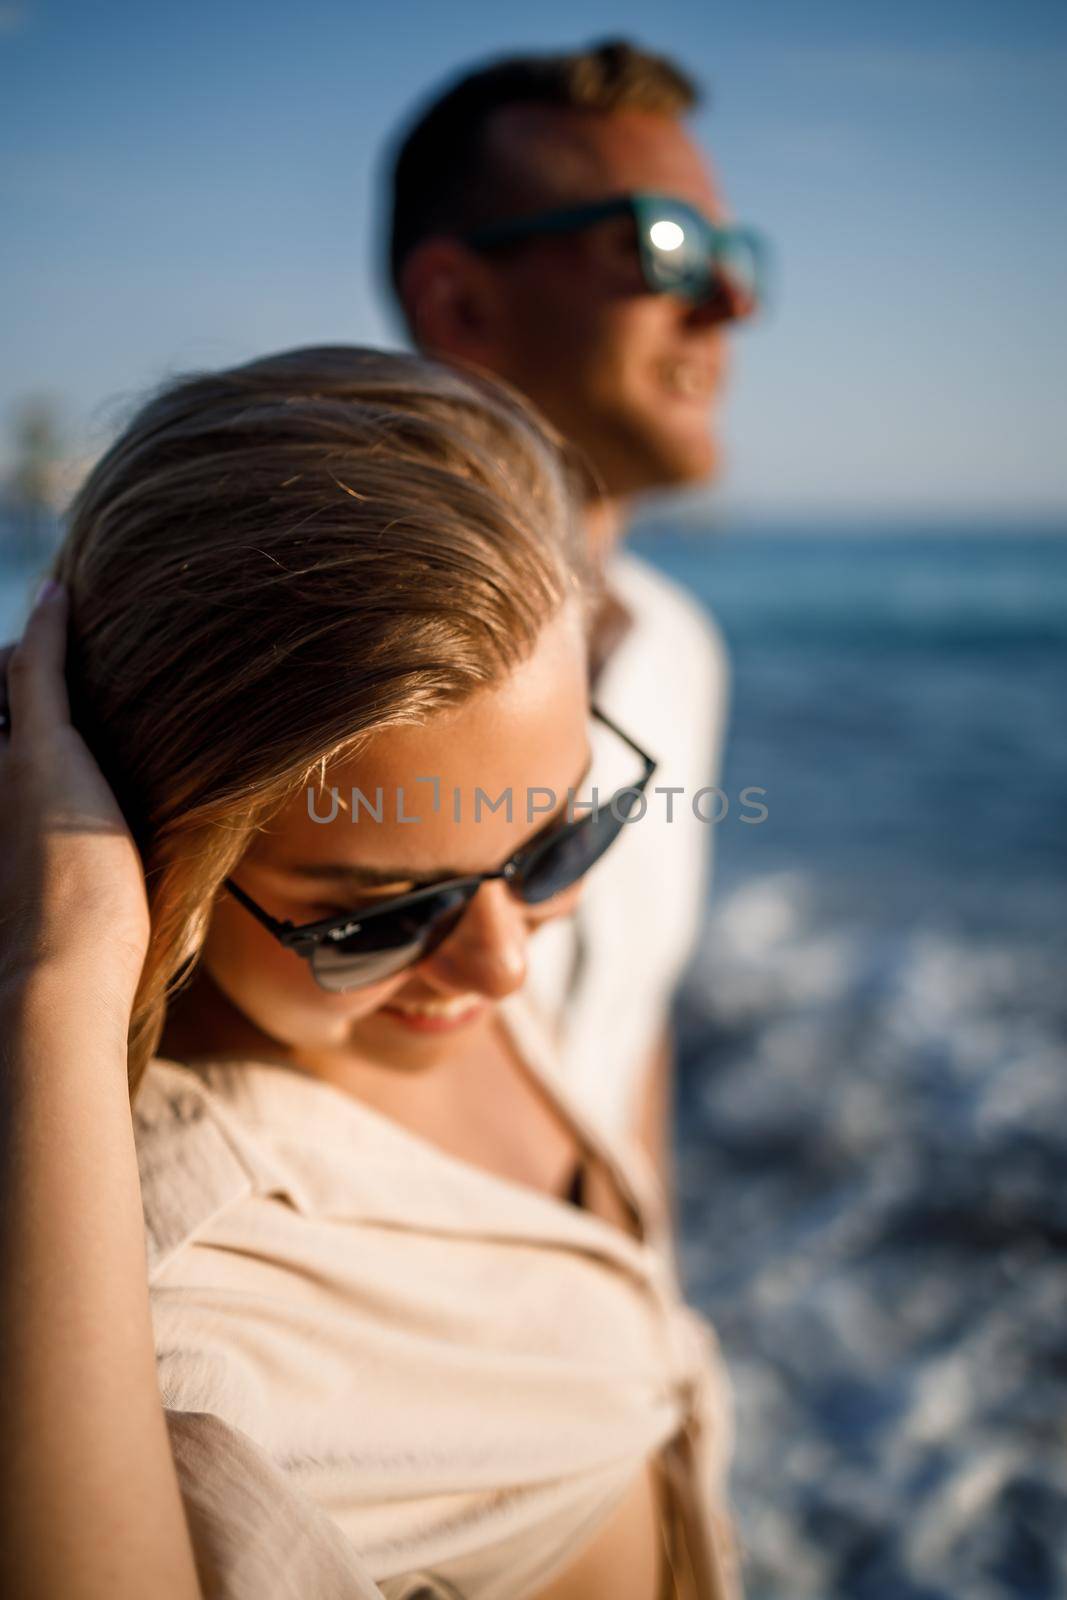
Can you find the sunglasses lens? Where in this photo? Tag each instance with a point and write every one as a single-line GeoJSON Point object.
{"type": "Point", "coordinates": [684, 255]}
{"type": "Point", "coordinates": [386, 944]}
{"type": "Point", "coordinates": [737, 270]}
{"type": "Point", "coordinates": [676, 251]}
{"type": "Point", "coordinates": [569, 854]}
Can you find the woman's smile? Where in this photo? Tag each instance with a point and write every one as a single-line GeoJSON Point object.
{"type": "Point", "coordinates": [436, 1016]}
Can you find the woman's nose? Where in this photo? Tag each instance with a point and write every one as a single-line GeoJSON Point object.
{"type": "Point", "coordinates": [487, 952]}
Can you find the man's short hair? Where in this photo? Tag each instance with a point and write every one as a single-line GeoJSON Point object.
{"type": "Point", "coordinates": [443, 178]}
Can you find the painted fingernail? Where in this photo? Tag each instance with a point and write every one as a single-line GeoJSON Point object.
{"type": "Point", "coordinates": [48, 591]}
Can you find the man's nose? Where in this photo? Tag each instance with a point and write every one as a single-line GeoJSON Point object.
{"type": "Point", "coordinates": [487, 952]}
{"type": "Point", "coordinates": [727, 301]}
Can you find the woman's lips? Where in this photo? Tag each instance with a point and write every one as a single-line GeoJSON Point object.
{"type": "Point", "coordinates": [439, 1016]}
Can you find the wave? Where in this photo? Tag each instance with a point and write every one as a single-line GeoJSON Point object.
{"type": "Point", "coordinates": [872, 1137]}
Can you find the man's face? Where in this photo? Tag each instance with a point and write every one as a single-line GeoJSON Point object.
{"type": "Point", "coordinates": [632, 378]}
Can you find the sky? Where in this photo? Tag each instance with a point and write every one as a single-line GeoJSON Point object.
{"type": "Point", "coordinates": [191, 185]}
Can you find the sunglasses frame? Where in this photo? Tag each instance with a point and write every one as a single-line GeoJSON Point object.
{"type": "Point", "coordinates": [644, 207]}
{"type": "Point", "coordinates": [306, 938]}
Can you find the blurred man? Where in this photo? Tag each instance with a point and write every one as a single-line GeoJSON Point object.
{"type": "Point", "coordinates": [550, 224]}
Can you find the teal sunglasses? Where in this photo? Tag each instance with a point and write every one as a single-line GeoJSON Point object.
{"type": "Point", "coordinates": [680, 251]}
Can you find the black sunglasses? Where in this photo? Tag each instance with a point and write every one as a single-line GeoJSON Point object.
{"type": "Point", "coordinates": [680, 251]}
{"type": "Point", "coordinates": [345, 952]}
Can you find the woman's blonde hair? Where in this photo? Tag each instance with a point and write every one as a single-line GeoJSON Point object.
{"type": "Point", "coordinates": [276, 561]}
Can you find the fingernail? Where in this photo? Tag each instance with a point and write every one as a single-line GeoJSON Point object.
{"type": "Point", "coordinates": [48, 591]}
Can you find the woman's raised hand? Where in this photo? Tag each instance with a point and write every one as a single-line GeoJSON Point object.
{"type": "Point", "coordinates": [82, 1417]}
{"type": "Point", "coordinates": [72, 887]}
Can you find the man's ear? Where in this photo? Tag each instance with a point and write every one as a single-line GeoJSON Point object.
{"type": "Point", "coordinates": [451, 300]}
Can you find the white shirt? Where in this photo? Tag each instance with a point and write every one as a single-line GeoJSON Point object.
{"type": "Point", "coordinates": [606, 976]}
{"type": "Point", "coordinates": [387, 1372]}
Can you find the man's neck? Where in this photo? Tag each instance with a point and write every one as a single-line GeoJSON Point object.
{"type": "Point", "coordinates": [605, 525]}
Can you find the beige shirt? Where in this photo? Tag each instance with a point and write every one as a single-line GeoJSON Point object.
{"type": "Point", "coordinates": [605, 978]}
{"type": "Point", "coordinates": [388, 1372]}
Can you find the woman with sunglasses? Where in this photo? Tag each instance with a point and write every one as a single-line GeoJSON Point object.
{"type": "Point", "coordinates": [297, 756]}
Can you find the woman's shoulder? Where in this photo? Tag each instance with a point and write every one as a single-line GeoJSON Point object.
{"type": "Point", "coordinates": [194, 1161]}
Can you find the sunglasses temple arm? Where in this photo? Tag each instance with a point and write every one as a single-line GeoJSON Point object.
{"type": "Point", "coordinates": [545, 222]}
{"type": "Point", "coordinates": [261, 916]}
{"type": "Point", "coordinates": [649, 761]}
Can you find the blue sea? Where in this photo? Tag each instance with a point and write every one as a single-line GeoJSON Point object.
{"type": "Point", "coordinates": [873, 1099]}
{"type": "Point", "coordinates": [872, 1107]}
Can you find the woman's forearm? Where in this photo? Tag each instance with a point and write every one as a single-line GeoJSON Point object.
{"type": "Point", "coordinates": [89, 1498]}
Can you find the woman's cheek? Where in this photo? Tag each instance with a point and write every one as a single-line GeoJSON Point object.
{"type": "Point", "coordinates": [275, 988]}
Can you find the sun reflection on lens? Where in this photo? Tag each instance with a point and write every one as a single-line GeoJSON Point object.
{"type": "Point", "coordinates": [666, 235]}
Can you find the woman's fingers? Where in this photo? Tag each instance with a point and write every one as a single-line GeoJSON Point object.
{"type": "Point", "coordinates": [36, 690]}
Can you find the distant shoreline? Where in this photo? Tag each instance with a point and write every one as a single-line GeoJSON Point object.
{"type": "Point", "coordinates": [655, 520]}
